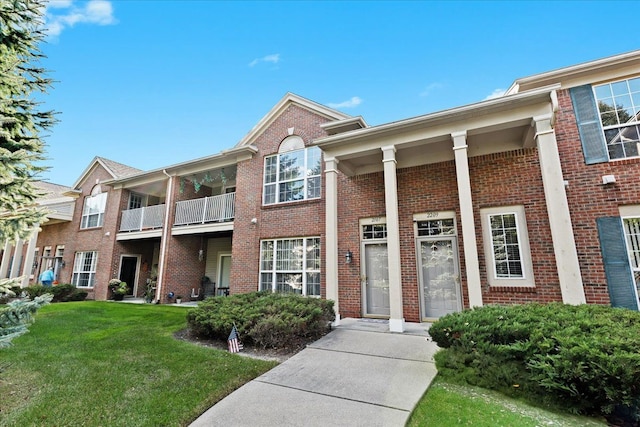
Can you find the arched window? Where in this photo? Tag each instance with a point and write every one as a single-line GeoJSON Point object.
{"type": "Point", "coordinates": [94, 207]}
{"type": "Point", "coordinates": [293, 174]}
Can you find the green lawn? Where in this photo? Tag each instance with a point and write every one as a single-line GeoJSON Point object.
{"type": "Point", "coordinates": [108, 364]}
{"type": "Point", "coordinates": [446, 404]}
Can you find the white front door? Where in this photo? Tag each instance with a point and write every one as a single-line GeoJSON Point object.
{"type": "Point", "coordinates": [224, 273]}
{"type": "Point", "coordinates": [439, 276]}
{"type": "Point", "coordinates": [376, 280]}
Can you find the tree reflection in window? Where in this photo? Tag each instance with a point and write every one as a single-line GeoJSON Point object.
{"type": "Point", "coordinates": [619, 108]}
{"type": "Point", "coordinates": [292, 176]}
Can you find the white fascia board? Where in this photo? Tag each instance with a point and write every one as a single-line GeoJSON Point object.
{"type": "Point", "coordinates": [460, 114]}
{"type": "Point", "coordinates": [574, 71]}
{"type": "Point", "coordinates": [224, 158]}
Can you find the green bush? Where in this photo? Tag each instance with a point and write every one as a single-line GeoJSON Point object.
{"type": "Point", "coordinates": [585, 357]}
{"type": "Point", "coordinates": [263, 319]}
{"type": "Point", "coordinates": [61, 293]}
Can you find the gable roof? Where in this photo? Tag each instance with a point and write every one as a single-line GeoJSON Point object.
{"type": "Point", "coordinates": [115, 169]}
{"type": "Point", "coordinates": [287, 100]}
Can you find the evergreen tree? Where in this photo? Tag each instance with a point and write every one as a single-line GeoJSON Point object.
{"type": "Point", "coordinates": [22, 120]}
{"type": "Point", "coordinates": [21, 123]}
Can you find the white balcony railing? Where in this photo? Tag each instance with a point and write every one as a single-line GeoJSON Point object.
{"type": "Point", "coordinates": [209, 209]}
{"type": "Point", "coordinates": [149, 217]}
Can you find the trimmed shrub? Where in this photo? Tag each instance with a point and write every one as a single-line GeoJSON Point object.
{"type": "Point", "coordinates": [61, 293]}
{"type": "Point", "coordinates": [585, 357]}
{"type": "Point", "coordinates": [263, 319]}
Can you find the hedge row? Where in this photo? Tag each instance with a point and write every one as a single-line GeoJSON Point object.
{"type": "Point", "coordinates": [61, 293]}
{"type": "Point", "coordinates": [587, 357]}
{"type": "Point", "coordinates": [263, 319]}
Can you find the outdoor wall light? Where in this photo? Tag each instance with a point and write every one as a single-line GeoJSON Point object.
{"type": "Point", "coordinates": [63, 264]}
{"type": "Point", "coordinates": [348, 257]}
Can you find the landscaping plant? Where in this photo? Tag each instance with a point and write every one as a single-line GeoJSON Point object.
{"type": "Point", "coordinates": [61, 293]}
{"type": "Point", "coordinates": [585, 357]}
{"type": "Point", "coordinates": [264, 319]}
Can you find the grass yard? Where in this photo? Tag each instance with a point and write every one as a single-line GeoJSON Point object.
{"type": "Point", "coordinates": [107, 364]}
{"type": "Point", "coordinates": [446, 404]}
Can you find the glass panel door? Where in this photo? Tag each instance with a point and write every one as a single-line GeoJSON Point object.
{"type": "Point", "coordinates": [439, 277]}
{"type": "Point", "coordinates": [376, 279]}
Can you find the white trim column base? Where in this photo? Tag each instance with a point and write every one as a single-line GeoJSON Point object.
{"type": "Point", "coordinates": [337, 321]}
{"type": "Point", "coordinates": [396, 325]}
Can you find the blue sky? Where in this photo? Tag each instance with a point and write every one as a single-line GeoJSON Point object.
{"type": "Point", "coordinates": [153, 83]}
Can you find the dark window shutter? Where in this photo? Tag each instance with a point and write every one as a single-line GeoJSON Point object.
{"type": "Point", "coordinates": [594, 146]}
{"type": "Point", "coordinates": [622, 291]}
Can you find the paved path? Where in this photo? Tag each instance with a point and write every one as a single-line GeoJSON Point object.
{"type": "Point", "coordinates": [358, 375]}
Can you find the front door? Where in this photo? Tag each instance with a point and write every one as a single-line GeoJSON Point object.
{"type": "Point", "coordinates": [128, 271]}
{"type": "Point", "coordinates": [376, 279]}
{"type": "Point", "coordinates": [439, 276]}
{"type": "Point", "coordinates": [224, 274]}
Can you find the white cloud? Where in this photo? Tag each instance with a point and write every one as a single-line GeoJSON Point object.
{"type": "Point", "coordinates": [67, 14]}
{"type": "Point", "coordinates": [55, 4]}
{"type": "Point", "coordinates": [273, 58]}
{"type": "Point", "coordinates": [497, 93]}
{"type": "Point", "coordinates": [350, 103]}
{"type": "Point", "coordinates": [430, 88]}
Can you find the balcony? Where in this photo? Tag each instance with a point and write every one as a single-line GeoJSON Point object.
{"type": "Point", "coordinates": [206, 210]}
{"type": "Point", "coordinates": [147, 218]}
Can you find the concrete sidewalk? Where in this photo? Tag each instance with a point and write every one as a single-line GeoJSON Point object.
{"type": "Point", "coordinates": [358, 375]}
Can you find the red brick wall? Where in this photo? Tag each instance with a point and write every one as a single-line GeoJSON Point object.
{"type": "Point", "coordinates": [99, 239]}
{"type": "Point", "coordinates": [183, 270]}
{"type": "Point", "coordinates": [297, 219]}
{"type": "Point", "coordinates": [589, 199]}
{"type": "Point", "coordinates": [511, 178]}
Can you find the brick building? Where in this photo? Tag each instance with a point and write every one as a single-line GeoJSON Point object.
{"type": "Point", "coordinates": [531, 196]}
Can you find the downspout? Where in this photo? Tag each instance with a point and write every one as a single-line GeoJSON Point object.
{"type": "Point", "coordinates": [165, 236]}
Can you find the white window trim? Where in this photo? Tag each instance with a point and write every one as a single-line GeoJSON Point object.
{"type": "Point", "coordinates": [630, 212]}
{"type": "Point", "coordinates": [85, 216]}
{"type": "Point", "coordinates": [523, 241]}
{"type": "Point", "coordinates": [305, 178]}
{"type": "Point", "coordinates": [78, 262]}
{"type": "Point", "coordinates": [274, 271]}
{"type": "Point", "coordinates": [609, 127]}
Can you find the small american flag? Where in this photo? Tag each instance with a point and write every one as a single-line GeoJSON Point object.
{"type": "Point", "coordinates": [234, 342]}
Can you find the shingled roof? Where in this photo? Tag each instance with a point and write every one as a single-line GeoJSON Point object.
{"type": "Point", "coordinates": [118, 170]}
{"type": "Point", "coordinates": [51, 191]}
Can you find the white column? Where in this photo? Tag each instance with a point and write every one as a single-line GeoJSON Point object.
{"type": "Point", "coordinates": [17, 255]}
{"type": "Point", "coordinates": [6, 258]}
{"type": "Point", "coordinates": [166, 234]}
{"type": "Point", "coordinates": [31, 252]}
{"type": "Point", "coordinates": [555, 196]}
{"type": "Point", "coordinates": [469, 238]}
{"type": "Point", "coordinates": [331, 233]}
{"type": "Point", "coordinates": [396, 319]}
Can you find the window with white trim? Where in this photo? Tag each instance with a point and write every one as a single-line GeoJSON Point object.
{"type": "Point", "coordinates": [292, 176]}
{"type": "Point", "coordinates": [84, 269]}
{"type": "Point", "coordinates": [290, 266]}
{"type": "Point", "coordinates": [619, 108]}
{"type": "Point", "coordinates": [506, 243]}
{"type": "Point", "coordinates": [93, 210]}
{"type": "Point", "coordinates": [632, 236]}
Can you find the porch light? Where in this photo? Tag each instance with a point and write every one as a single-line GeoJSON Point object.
{"type": "Point", "coordinates": [348, 257]}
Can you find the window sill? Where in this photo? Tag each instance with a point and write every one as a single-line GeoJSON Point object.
{"type": "Point", "coordinates": [524, 289]}
{"type": "Point", "coordinates": [295, 203]}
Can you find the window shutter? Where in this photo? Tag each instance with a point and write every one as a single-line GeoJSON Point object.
{"type": "Point", "coordinates": [594, 146]}
{"type": "Point", "coordinates": [622, 291]}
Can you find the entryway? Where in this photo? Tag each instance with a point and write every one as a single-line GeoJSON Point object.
{"type": "Point", "coordinates": [129, 271]}
{"type": "Point", "coordinates": [438, 267]}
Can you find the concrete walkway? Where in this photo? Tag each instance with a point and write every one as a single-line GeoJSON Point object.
{"type": "Point", "coordinates": [358, 375]}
